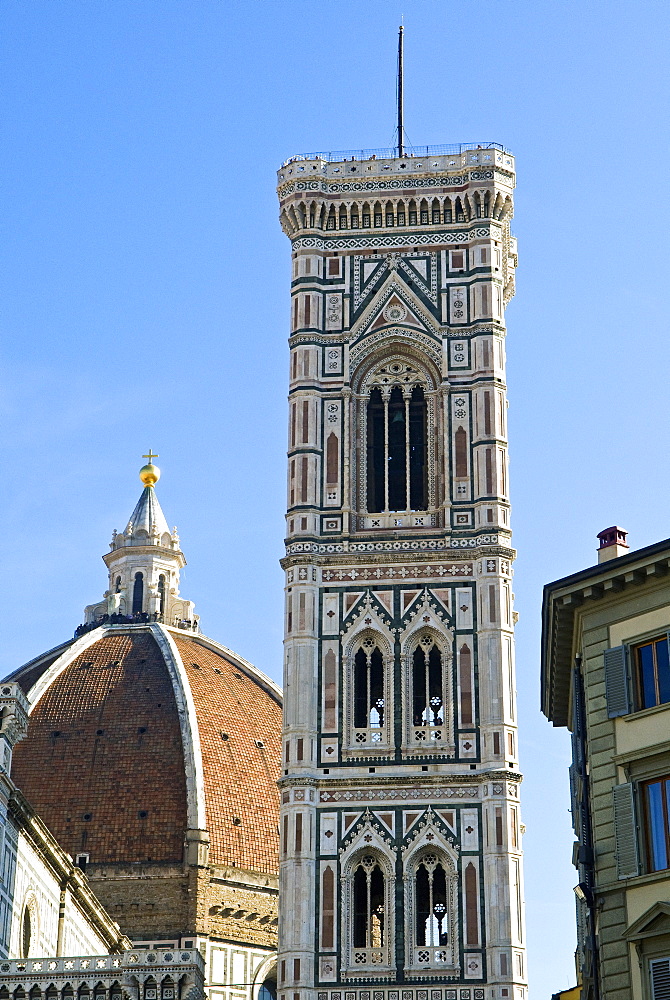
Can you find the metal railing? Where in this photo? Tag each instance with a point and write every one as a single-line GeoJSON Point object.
{"type": "Point", "coordinates": [139, 618]}
{"type": "Point", "coordinates": [391, 153]}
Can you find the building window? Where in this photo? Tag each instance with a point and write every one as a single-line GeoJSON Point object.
{"type": "Point", "coordinates": [368, 912]}
{"type": "Point", "coordinates": [427, 686]}
{"type": "Point", "coordinates": [161, 594]}
{"type": "Point", "coordinates": [432, 900]}
{"type": "Point", "coordinates": [656, 799]}
{"type": "Point", "coordinates": [659, 969]}
{"type": "Point", "coordinates": [652, 672]}
{"type": "Point", "coordinates": [396, 450]}
{"type": "Point", "coordinates": [368, 694]}
{"type": "Point", "coordinates": [138, 593]}
{"type": "Point", "coordinates": [431, 906]}
{"type": "Point", "coordinates": [26, 933]}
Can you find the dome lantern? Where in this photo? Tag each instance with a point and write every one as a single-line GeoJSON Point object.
{"type": "Point", "coordinates": [144, 563]}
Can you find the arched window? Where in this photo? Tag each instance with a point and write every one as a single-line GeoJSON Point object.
{"type": "Point", "coordinates": [368, 694]}
{"type": "Point", "coordinates": [396, 450]}
{"type": "Point", "coordinates": [427, 687]}
{"type": "Point", "coordinates": [431, 913]}
{"type": "Point", "coordinates": [138, 593]}
{"type": "Point", "coordinates": [432, 908]}
{"type": "Point", "coordinates": [369, 923]}
{"type": "Point", "coordinates": [117, 585]}
{"type": "Point", "coordinates": [429, 680]}
{"type": "Point", "coordinates": [26, 933]}
{"type": "Point", "coordinates": [161, 593]}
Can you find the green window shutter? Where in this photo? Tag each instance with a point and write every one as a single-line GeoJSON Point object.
{"type": "Point", "coordinates": [616, 682]}
{"type": "Point", "coordinates": [660, 978]}
{"type": "Point", "coordinates": [625, 831]}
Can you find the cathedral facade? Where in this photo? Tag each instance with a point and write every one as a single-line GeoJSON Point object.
{"type": "Point", "coordinates": [400, 851]}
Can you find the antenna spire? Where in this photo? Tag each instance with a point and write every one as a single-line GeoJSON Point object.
{"type": "Point", "coordinates": [401, 146]}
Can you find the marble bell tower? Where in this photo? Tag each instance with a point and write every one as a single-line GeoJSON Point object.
{"type": "Point", "coordinates": [401, 866]}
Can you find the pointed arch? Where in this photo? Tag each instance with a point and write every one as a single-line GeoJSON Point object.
{"type": "Point", "coordinates": [427, 683]}
{"type": "Point", "coordinates": [431, 909]}
{"type": "Point", "coordinates": [368, 909]}
{"type": "Point", "coordinates": [368, 695]}
{"type": "Point", "coordinates": [412, 213]}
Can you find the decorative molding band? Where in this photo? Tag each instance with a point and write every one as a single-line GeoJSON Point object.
{"type": "Point", "coordinates": [432, 794]}
{"type": "Point", "coordinates": [341, 242]}
{"type": "Point", "coordinates": [406, 182]}
{"type": "Point", "coordinates": [426, 544]}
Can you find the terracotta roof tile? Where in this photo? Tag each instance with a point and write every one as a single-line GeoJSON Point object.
{"type": "Point", "coordinates": [103, 761]}
{"type": "Point", "coordinates": [118, 755]}
{"type": "Point", "coordinates": [241, 771]}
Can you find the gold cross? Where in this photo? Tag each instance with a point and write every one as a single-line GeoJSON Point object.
{"type": "Point", "coordinates": [150, 455]}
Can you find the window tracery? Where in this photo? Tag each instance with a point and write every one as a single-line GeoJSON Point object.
{"type": "Point", "coordinates": [369, 701]}
{"type": "Point", "coordinates": [429, 721]}
{"type": "Point", "coordinates": [432, 911]}
{"type": "Point", "coordinates": [396, 411]}
{"type": "Point", "coordinates": [368, 692]}
{"type": "Point", "coordinates": [368, 911]}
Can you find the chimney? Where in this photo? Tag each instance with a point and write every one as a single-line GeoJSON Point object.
{"type": "Point", "coordinates": [612, 544]}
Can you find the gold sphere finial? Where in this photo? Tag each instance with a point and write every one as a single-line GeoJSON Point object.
{"type": "Point", "coordinates": [150, 473]}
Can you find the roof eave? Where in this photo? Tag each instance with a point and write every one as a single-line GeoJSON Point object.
{"type": "Point", "coordinates": [562, 597]}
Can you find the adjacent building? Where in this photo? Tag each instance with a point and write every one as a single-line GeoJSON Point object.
{"type": "Point", "coordinates": [401, 863]}
{"type": "Point", "coordinates": [606, 677]}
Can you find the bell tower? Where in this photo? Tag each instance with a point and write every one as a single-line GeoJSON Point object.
{"type": "Point", "coordinates": [401, 868]}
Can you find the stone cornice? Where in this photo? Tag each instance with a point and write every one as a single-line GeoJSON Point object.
{"type": "Point", "coordinates": [396, 781]}
{"type": "Point", "coordinates": [340, 554]}
{"type": "Point", "coordinates": [359, 239]}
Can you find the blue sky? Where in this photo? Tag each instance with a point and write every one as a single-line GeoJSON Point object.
{"type": "Point", "coordinates": [145, 299]}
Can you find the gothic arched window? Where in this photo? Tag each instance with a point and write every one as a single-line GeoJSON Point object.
{"type": "Point", "coordinates": [429, 694]}
{"type": "Point", "coordinates": [368, 694]}
{"type": "Point", "coordinates": [369, 912]}
{"type": "Point", "coordinates": [433, 903]}
{"type": "Point", "coordinates": [432, 927]}
{"type": "Point", "coordinates": [138, 593]}
{"type": "Point", "coordinates": [396, 450]}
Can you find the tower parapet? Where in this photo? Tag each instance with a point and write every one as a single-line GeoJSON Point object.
{"type": "Point", "coordinates": [400, 823]}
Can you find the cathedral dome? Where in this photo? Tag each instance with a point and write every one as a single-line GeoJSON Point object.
{"type": "Point", "coordinates": [145, 740]}
{"type": "Point", "coordinates": [153, 754]}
